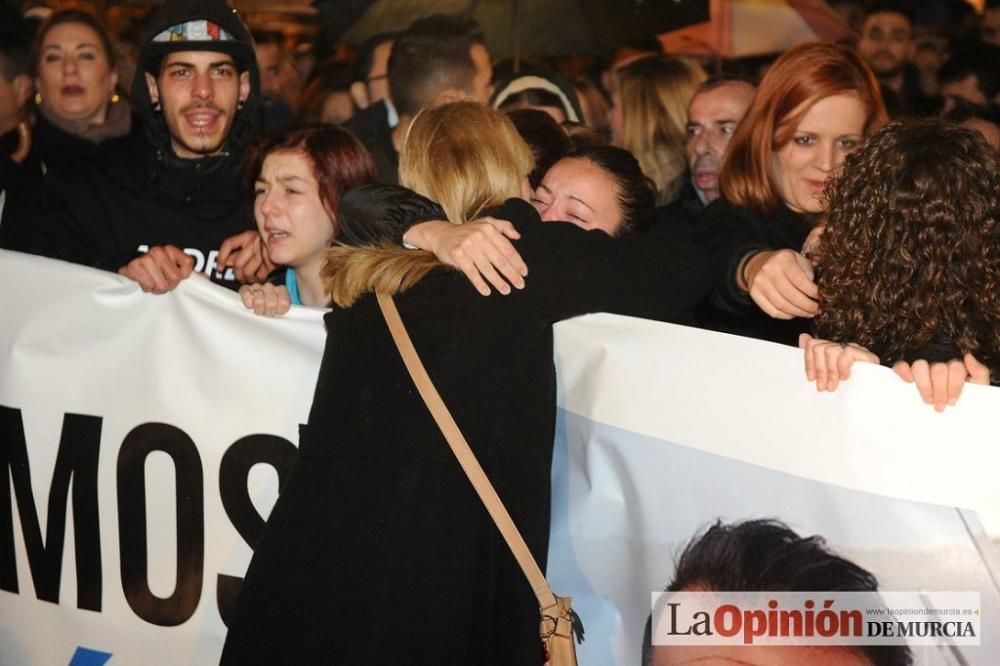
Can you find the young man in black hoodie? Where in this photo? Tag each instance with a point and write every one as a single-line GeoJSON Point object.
{"type": "Point", "coordinates": [171, 198]}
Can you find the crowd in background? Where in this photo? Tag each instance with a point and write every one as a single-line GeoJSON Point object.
{"type": "Point", "coordinates": [636, 142]}
{"type": "Point", "coordinates": [71, 84]}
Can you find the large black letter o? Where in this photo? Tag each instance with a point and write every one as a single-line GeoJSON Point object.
{"type": "Point", "coordinates": [183, 602]}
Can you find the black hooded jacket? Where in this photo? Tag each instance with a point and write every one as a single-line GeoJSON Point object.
{"type": "Point", "coordinates": [135, 193]}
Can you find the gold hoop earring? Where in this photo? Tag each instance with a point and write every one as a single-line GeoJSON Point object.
{"type": "Point", "coordinates": [38, 99]}
{"type": "Point", "coordinates": [115, 98]}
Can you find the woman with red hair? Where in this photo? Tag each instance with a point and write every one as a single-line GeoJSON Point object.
{"type": "Point", "coordinates": [301, 173]}
{"type": "Point", "coordinates": [815, 105]}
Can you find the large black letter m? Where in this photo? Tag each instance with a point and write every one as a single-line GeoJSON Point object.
{"type": "Point", "coordinates": [79, 446]}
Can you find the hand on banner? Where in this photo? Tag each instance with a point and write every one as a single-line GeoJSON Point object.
{"type": "Point", "coordinates": [781, 283]}
{"type": "Point", "coordinates": [246, 255]}
{"type": "Point", "coordinates": [480, 249]}
{"type": "Point", "coordinates": [829, 363]}
{"type": "Point", "coordinates": [160, 269]}
{"type": "Point", "coordinates": [266, 299]}
{"type": "Point", "coordinates": [940, 384]}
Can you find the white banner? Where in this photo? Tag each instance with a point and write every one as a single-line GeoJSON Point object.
{"type": "Point", "coordinates": [143, 437]}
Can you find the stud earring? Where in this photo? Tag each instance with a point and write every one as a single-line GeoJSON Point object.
{"type": "Point", "coordinates": [115, 98]}
{"type": "Point", "coordinates": [38, 98]}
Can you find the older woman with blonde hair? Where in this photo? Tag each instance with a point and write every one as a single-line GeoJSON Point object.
{"type": "Point", "coordinates": [649, 118]}
{"type": "Point", "coordinates": [377, 523]}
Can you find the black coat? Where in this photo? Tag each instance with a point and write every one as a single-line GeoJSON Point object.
{"type": "Point", "coordinates": [133, 193]}
{"type": "Point", "coordinates": [129, 197]}
{"type": "Point", "coordinates": [371, 126]}
{"type": "Point", "coordinates": [378, 551]}
{"type": "Point", "coordinates": [728, 232]}
{"type": "Point", "coordinates": [55, 154]}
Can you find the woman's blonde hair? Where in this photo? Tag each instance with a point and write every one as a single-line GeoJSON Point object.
{"type": "Point", "coordinates": [655, 93]}
{"type": "Point", "coordinates": [465, 156]}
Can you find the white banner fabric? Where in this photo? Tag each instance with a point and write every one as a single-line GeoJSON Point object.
{"type": "Point", "coordinates": [142, 438]}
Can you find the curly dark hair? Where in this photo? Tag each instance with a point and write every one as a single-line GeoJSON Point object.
{"type": "Point", "coordinates": [910, 257]}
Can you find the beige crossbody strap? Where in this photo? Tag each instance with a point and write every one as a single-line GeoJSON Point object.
{"type": "Point", "coordinates": [465, 456]}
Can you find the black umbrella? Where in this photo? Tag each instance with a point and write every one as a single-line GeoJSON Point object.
{"type": "Point", "coordinates": [523, 28]}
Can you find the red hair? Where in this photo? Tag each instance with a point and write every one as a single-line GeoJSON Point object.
{"type": "Point", "coordinates": [801, 77]}
{"type": "Point", "coordinates": [339, 160]}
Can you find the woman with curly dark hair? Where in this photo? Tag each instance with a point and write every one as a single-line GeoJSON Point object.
{"type": "Point", "coordinates": [909, 261]}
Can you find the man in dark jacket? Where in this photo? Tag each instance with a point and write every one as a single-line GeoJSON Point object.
{"type": "Point", "coordinates": [171, 199]}
{"type": "Point", "coordinates": [715, 110]}
{"type": "Point", "coordinates": [887, 46]}
{"type": "Point", "coordinates": [438, 58]}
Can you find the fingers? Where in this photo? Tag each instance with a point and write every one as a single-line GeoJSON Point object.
{"type": "Point", "coordinates": [941, 384]}
{"type": "Point", "coordinates": [495, 256]}
{"type": "Point", "coordinates": [246, 259]}
{"type": "Point", "coordinates": [837, 361]}
{"type": "Point", "coordinates": [247, 296]}
{"type": "Point", "coordinates": [476, 254]}
{"type": "Point", "coordinates": [852, 353]}
{"type": "Point", "coordinates": [503, 226]}
{"type": "Point", "coordinates": [513, 267]}
{"type": "Point", "coordinates": [922, 378]}
{"type": "Point", "coordinates": [804, 343]}
{"type": "Point", "coordinates": [179, 264]}
{"type": "Point", "coordinates": [774, 302]}
{"type": "Point", "coordinates": [266, 265]}
{"type": "Point", "coordinates": [829, 363]}
{"type": "Point", "coordinates": [159, 270]}
{"type": "Point", "coordinates": [903, 369]}
{"type": "Point", "coordinates": [266, 300]}
{"type": "Point", "coordinates": [481, 250]}
{"type": "Point", "coordinates": [821, 361]}
{"type": "Point", "coordinates": [801, 276]}
{"type": "Point", "coordinates": [978, 373]}
{"type": "Point", "coordinates": [844, 362]}
{"type": "Point", "coordinates": [134, 270]}
{"type": "Point", "coordinates": [475, 278]}
{"type": "Point", "coordinates": [487, 269]}
{"type": "Point", "coordinates": [826, 363]}
{"type": "Point", "coordinates": [246, 255]}
{"type": "Point", "coordinates": [245, 264]}
{"type": "Point", "coordinates": [783, 286]}
{"type": "Point", "coordinates": [228, 247]}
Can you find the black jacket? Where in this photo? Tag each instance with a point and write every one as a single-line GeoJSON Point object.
{"type": "Point", "coordinates": [55, 154]}
{"type": "Point", "coordinates": [728, 232]}
{"type": "Point", "coordinates": [378, 515]}
{"type": "Point", "coordinates": [371, 126]}
{"type": "Point", "coordinates": [134, 193]}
